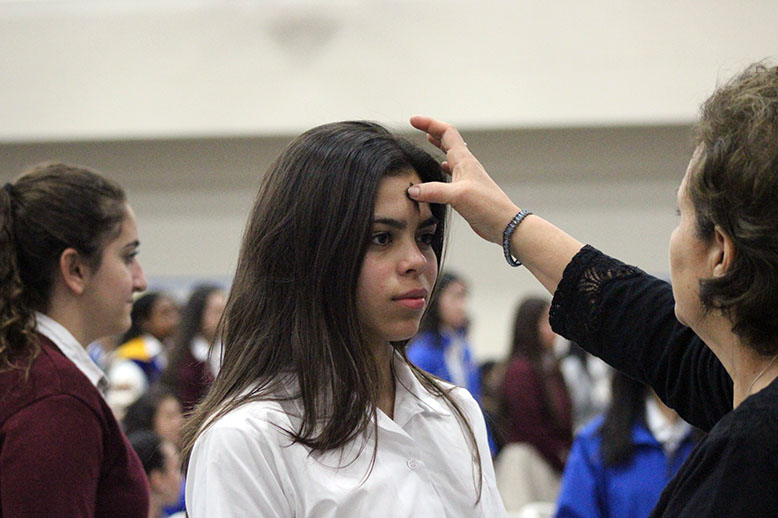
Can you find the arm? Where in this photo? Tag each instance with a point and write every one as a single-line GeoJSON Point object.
{"type": "Point", "coordinates": [50, 458]}
{"type": "Point", "coordinates": [682, 379]}
{"type": "Point", "coordinates": [627, 318]}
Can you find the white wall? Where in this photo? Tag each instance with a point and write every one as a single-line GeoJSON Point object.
{"type": "Point", "coordinates": [113, 69]}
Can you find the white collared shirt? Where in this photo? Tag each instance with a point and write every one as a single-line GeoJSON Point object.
{"type": "Point", "coordinates": [72, 350]}
{"type": "Point", "coordinates": [668, 433]}
{"type": "Point", "coordinates": [243, 465]}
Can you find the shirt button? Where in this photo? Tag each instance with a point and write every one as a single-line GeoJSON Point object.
{"type": "Point", "coordinates": [411, 464]}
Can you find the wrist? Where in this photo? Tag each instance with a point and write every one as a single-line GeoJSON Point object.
{"type": "Point", "coordinates": [507, 236]}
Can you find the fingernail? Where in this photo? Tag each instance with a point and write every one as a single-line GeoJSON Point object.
{"type": "Point", "coordinates": [414, 191]}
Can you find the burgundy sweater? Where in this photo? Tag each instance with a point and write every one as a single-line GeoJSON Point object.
{"type": "Point", "coordinates": [528, 420]}
{"type": "Point", "coordinates": [194, 380]}
{"type": "Point", "coordinates": [62, 453]}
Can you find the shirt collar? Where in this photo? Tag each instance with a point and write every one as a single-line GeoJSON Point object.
{"type": "Point", "coordinates": [70, 347]}
{"type": "Point", "coordinates": [411, 393]}
{"type": "Point", "coordinates": [669, 434]}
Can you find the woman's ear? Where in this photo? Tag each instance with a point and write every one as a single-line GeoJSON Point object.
{"type": "Point", "coordinates": [722, 252]}
{"type": "Point", "coordinates": [74, 270]}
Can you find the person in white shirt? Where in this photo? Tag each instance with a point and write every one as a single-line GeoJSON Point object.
{"type": "Point", "coordinates": [316, 410]}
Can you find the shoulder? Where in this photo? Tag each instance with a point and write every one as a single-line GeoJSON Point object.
{"type": "Point", "coordinates": [51, 374]}
{"type": "Point", "coordinates": [257, 424]}
{"type": "Point", "coordinates": [591, 429]}
{"type": "Point", "coordinates": [752, 426]}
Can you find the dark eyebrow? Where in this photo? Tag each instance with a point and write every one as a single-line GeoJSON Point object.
{"type": "Point", "coordinates": [400, 225]}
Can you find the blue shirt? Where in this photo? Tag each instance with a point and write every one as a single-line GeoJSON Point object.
{"type": "Point", "coordinates": [590, 489]}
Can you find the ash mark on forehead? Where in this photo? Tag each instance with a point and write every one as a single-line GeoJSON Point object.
{"type": "Point", "coordinates": [415, 203]}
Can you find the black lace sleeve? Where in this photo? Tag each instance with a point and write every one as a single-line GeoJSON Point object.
{"type": "Point", "coordinates": [575, 309]}
{"type": "Point", "coordinates": [627, 317]}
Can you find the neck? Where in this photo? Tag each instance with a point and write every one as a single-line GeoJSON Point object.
{"type": "Point", "coordinates": [749, 370]}
{"type": "Point", "coordinates": [71, 321]}
{"type": "Point", "coordinates": [386, 394]}
{"type": "Point", "coordinates": [155, 506]}
{"type": "Point", "coordinates": [755, 375]}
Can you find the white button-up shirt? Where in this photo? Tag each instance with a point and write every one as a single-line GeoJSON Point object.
{"type": "Point", "coordinates": [73, 350]}
{"type": "Point", "coordinates": [243, 465]}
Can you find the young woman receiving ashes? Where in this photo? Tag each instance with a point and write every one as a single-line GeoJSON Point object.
{"type": "Point", "coordinates": [708, 344]}
{"type": "Point", "coordinates": [316, 410]}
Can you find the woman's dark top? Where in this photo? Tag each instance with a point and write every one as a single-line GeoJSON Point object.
{"type": "Point", "coordinates": [62, 453]}
{"type": "Point", "coordinates": [627, 318]}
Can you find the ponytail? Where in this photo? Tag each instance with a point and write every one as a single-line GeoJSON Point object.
{"type": "Point", "coordinates": [18, 346]}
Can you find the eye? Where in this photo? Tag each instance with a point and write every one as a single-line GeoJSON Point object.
{"type": "Point", "coordinates": [678, 212]}
{"type": "Point", "coordinates": [427, 238]}
{"type": "Point", "coordinates": [381, 239]}
{"type": "Point", "coordinates": [129, 258]}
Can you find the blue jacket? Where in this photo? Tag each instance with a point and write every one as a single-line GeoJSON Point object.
{"type": "Point", "coordinates": [424, 353]}
{"type": "Point", "coordinates": [590, 489]}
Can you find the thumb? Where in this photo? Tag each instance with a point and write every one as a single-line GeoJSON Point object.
{"type": "Point", "coordinates": [431, 192]}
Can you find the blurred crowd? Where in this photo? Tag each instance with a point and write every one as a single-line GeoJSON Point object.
{"type": "Point", "coordinates": [157, 371]}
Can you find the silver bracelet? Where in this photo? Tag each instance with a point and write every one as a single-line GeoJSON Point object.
{"type": "Point", "coordinates": [508, 232]}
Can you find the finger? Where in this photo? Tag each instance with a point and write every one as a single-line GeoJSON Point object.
{"type": "Point", "coordinates": [421, 122]}
{"type": "Point", "coordinates": [431, 192]}
{"type": "Point", "coordinates": [447, 134]}
{"type": "Point", "coordinates": [446, 168]}
{"type": "Point", "coordinates": [434, 141]}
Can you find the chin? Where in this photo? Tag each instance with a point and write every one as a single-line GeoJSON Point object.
{"type": "Point", "coordinates": [679, 316]}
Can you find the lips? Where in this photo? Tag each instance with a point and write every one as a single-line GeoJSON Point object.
{"type": "Point", "coordinates": [414, 299]}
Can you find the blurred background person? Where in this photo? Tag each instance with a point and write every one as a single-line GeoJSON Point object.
{"type": "Point", "coordinates": [141, 357]}
{"type": "Point", "coordinates": [158, 410]}
{"type": "Point", "coordinates": [191, 368]}
{"type": "Point", "coordinates": [537, 412]}
{"type": "Point", "coordinates": [441, 347]}
{"type": "Point", "coordinates": [588, 381]}
{"type": "Point", "coordinates": [163, 470]}
{"type": "Point", "coordinates": [621, 461]}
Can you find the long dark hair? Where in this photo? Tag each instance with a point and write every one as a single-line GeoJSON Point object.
{"type": "Point", "coordinates": [191, 325]}
{"type": "Point", "coordinates": [627, 406]}
{"type": "Point", "coordinates": [45, 211]}
{"type": "Point", "coordinates": [292, 309]}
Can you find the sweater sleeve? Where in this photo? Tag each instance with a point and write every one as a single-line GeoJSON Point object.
{"type": "Point", "coordinates": [50, 457]}
{"type": "Point", "coordinates": [627, 318]}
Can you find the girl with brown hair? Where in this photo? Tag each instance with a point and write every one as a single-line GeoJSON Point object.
{"type": "Point", "coordinates": [68, 245]}
{"type": "Point", "coordinates": [316, 410]}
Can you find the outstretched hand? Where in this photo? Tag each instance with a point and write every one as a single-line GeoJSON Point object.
{"type": "Point", "coordinates": [472, 192]}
